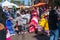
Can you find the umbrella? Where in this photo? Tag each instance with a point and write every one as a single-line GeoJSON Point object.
{"type": "Point", "coordinates": [6, 3]}
{"type": "Point", "coordinates": [39, 4]}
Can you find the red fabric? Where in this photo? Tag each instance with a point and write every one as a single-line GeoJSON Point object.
{"type": "Point", "coordinates": [33, 22]}
{"type": "Point", "coordinates": [32, 29]}
{"type": "Point", "coordinates": [8, 38]}
{"type": "Point", "coordinates": [8, 34]}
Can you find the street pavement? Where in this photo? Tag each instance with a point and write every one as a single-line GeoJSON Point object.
{"type": "Point", "coordinates": [29, 36]}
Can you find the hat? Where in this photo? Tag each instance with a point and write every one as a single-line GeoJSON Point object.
{"type": "Point", "coordinates": [44, 15]}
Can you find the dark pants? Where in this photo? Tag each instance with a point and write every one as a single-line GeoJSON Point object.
{"type": "Point", "coordinates": [3, 34]}
{"type": "Point", "coordinates": [19, 29]}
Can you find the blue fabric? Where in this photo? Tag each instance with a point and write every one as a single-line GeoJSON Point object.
{"type": "Point", "coordinates": [9, 26]}
{"type": "Point", "coordinates": [8, 23]}
{"type": "Point", "coordinates": [7, 14]}
{"type": "Point", "coordinates": [58, 24]}
{"type": "Point", "coordinates": [54, 34]}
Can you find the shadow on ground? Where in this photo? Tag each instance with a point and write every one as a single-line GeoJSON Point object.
{"type": "Point", "coordinates": [41, 37]}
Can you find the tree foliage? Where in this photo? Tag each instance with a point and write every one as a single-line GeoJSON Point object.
{"type": "Point", "coordinates": [57, 2]}
{"type": "Point", "coordinates": [12, 0]}
{"type": "Point", "coordinates": [0, 0]}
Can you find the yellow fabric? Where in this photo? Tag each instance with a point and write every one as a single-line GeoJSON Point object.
{"type": "Point", "coordinates": [44, 23]}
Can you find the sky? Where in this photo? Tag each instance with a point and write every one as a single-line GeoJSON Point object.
{"type": "Point", "coordinates": [26, 2]}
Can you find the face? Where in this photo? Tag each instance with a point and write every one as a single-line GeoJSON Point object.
{"type": "Point", "coordinates": [59, 8]}
{"type": "Point", "coordinates": [7, 8]}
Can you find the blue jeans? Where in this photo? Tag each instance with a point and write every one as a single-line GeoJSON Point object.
{"type": "Point", "coordinates": [54, 34]}
{"type": "Point", "coordinates": [58, 24]}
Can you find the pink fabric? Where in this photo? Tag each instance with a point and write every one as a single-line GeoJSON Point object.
{"type": "Point", "coordinates": [32, 29]}
{"type": "Point", "coordinates": [8, 38]}
{"type": "Point", "coordinates": [8, 35]}
{"type": "Point", "coordinates": [34, 21]}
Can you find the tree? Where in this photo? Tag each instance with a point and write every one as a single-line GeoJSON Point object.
{"type": "Point", "coordinates": [12, 0]}
{"type": "Point", "coordinates": [56, 2]}
{"type": "Point", "coordinates": [0, 0]}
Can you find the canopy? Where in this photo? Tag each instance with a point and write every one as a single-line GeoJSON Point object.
{"type": "Point", "coordinates": [24, 6]}
{"type": "Point", "coordinates": [6, 3]}
{"type": "Point", "coordinates": [39, 4]}
{"type": "Point", "coordinates": [12, 4]}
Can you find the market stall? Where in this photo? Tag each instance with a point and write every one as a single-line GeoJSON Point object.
{"type": "Point", "coordinates": [8, 4]}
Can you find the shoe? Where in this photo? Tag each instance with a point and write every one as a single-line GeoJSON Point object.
{"type": "Point", "coordinates": [25, 32]}
{"type": "Point", "coordinates": [19, 33]}
{"type": "Point", "coordinates": [22, 32]}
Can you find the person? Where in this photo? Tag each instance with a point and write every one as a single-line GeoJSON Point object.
{"type": "Point", "coordinates": [28, 15]}
{"type": "Point", "coordinates": [52, 21]}
{"type": "Point", "coordinates": [58, 11]}
{"type": "Point", "coordinates": [18, 27]}
{"type": "Point", "coordinates": [24, 21]}
{"type": "Point", "coordinates": [43, 24]}
{"type": "Point", "coordinates": [34, 21]}
{"type": "Point", "coordinates": [6, 12]}
{"type": "Point", "coordinates": [2, 24]}
{"type": "Point", "coordinates": [9, 21]}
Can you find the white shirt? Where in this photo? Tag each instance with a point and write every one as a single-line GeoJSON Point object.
{"type": "Point", "coordinates": [28, 16]}
{"type": "Point", "coordinates": [18, 12]}
{"type": "Point", "coordinates": [19, 19]}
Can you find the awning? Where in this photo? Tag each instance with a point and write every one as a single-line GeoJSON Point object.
{"type": "Point", "coordinates": [39, 4]}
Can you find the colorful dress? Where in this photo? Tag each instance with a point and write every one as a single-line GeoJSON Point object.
{"type": "Point", "coordinates": [34, 21]}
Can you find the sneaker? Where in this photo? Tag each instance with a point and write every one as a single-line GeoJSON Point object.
{"type": "Point", "coordinates": [22, 32]}
{"type": "Point", "coordinates": [25, 32]}
{"type": "Point", "coordinates": [19, 33]}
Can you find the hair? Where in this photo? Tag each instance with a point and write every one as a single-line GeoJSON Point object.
{"type": "Point", "coordinates": [22, 11]}
{"type": "Point", "coordinates": [18, 15]}
{"type": "Point", "coordinates": [1, 10]}
{"type": "Point", "coordinates": [52, 11]}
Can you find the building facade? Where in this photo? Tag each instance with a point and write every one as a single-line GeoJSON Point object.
{"type": "Point", "coordinates": [5, 0]}
{"type": "Point", "coordinates": [19, 2]}
{"type": "Point", "coordinates": [24, 2]}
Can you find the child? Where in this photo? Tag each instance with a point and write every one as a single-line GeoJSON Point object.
{"type": "Point", "coordinates": [43, 23]}
{"type": "Point", "coordinates": [18, 24]}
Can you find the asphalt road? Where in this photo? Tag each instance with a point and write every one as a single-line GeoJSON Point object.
{"type": "Point", "coordinates": [29, 36]}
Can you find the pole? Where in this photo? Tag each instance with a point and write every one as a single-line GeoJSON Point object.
{"type": "Point", "coordinates": [33, 2]}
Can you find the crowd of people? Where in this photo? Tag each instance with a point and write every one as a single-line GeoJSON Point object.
{"type": "Point", "coordinates": [33, 21]}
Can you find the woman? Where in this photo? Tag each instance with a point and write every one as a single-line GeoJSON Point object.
{"type": "Point", "coordinates": [34, 21]}
{"type": "Point", "coordinates": [43, 24]}
{"type": "Point", "coordinates": [2, 25]}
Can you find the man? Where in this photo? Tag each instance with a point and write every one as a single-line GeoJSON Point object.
{"type": "Point", "coordinates": [2, 24]}
{"type": "Point", "coordinates": [52, 21]}
{"type": "Point", "coordinates": [58, 11]}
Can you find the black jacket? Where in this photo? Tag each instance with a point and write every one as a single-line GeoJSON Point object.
{"type": "Point", "coordinates": [2, 17]}
{"type": "Point", "coordinates": [52, 20]}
